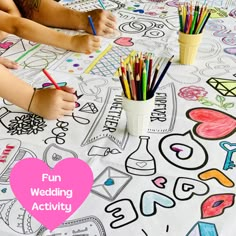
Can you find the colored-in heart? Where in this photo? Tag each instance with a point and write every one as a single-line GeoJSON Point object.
{"type": "Point", "coordinates": [51, 195]}
{"type": "Point", "coordinates": [6, 45]}
{"type": "Point", "coordinates": [124, 41]}
{"type": "Point", "coordinates": [109, 182]}
{"type": "Point", "coordinates": [160, 182]}
{"type": "Point", "coordinates": [212, 124]}
{"type": "Point", "coordinates": [4, 190]}
{"type": "Point", "coordinates": [77, 105]}
{"type": "Point", "coordinates": [175, 148]}
{"type": "Point", "coordinates": [150, 199]}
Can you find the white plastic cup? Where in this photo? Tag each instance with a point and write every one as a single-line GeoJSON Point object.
{"type": "Point", "coordinates": [138, 115]}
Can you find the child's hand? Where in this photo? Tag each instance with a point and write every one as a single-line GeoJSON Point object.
{"type": "Point", "coordinates": [85, 43]}
{"type": "Point", "coordinates": [52, 103]}
{"type": "Point", "coordinates": [8, 64]}
{"type": "Point", "coordinates": [104, 22]}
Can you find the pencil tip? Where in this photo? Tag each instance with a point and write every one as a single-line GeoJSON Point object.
{"type": "Point", "coordinates": [171, 57]}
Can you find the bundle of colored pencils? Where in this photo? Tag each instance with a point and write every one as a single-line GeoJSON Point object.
{"type": "Point", "coordinates": [193, 19]}
{"type": "Point", "coordinates": [136, 76]}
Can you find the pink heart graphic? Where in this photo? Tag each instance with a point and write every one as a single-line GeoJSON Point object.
{"type": "Point", "coordinates": [51, 195]}
{"type": "Point", "coordinates": [124, 41]}
{"type": "Point", "coordinates": [160, 182]}
{"type": "Point", "coordinates": [212, 124]}
{"type": "Point", "coordinates": [6, 45]}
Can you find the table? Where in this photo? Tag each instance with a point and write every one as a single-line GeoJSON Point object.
{"type": "Point", "coordinates": [177, 180]}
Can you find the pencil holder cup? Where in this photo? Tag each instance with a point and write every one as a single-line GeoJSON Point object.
{"type": "Point", "coordinates": [138, 114]}
{"type": "Point", "coordinates": [188, 47]}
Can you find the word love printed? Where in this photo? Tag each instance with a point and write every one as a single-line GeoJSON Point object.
{"type": "Point", "coordinates": [51, 195]}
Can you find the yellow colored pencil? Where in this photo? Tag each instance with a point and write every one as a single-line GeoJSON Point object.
{"type": "Point", "coordinates": [126, 85]}
{"type": "Point", "coordinates": [184, 14]}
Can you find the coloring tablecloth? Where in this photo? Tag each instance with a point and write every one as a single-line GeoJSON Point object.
{"type": "Point", "coordinates": [177, 180]}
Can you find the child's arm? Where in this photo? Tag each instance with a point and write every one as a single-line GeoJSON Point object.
{"type": "Point", "coordinates": [51, 13]}
{"type": "Point", "coordinates": [48, 103]}
{"type": "Point", "coordinates": [33, 31]}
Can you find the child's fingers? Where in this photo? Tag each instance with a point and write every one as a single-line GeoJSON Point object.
{"type": "Point", "coordinates": [68, 106]}
{"type": "Point", "coordinates": [96, 38]}
{"type": "Point", "coordinates": [68, 89]}
{"type": "Point", "coordinates": [95, 44]}
{"type": "Point", "coordinates": [108, 30]}
{"type": "Point", "coordinates": [110, 16]}
{"type": "Point", "coordinates": [66, 112]}
{"type": "Point", "coordinates": [69, 97]}
{"type": "Point", "coordinates": [12, 65]}
{"type": "Point", "coordinates": [110, 25]}
{"type": "Point", "coordinates": [9, 64]}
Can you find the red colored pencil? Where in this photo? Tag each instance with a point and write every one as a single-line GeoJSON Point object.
{"type": "Point", "coordinates": [51, 79]}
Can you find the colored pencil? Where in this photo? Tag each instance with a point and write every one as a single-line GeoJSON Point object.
{"type": "Point", "coordinates": [126, 85]}
{"type": "Point", "coordinates": [161, 76]}
{"type": "Point", "coordinates": [200, 19]}
{"type": "Point", "coordinates": [121, 79]}
{"type": "Point", "coordinates": [187, 21]}
{"type": "Point", "coordinates": [155, 76]}
{"type": "Point", "coordinates": [142, 87]}
{"type": "Point", "coordinates": [147, 66]}
{"type": "Point", "coordinates": [144, 83]}
{"type": "Point", "coordinates": [138, 87]}
{"type": "Point", "coordinates": [192, 20]}
{"type": "Point", "coordinates": [128, 74]}
{"type": "Point", "coordinates": [51, 79]}
{"type": "Point", "coordinates": [195, 17]}
{"type": "Point", "coordinates": [149, 72]}
{"type": "Point", "coordinates": [140, 64]}
{"type": "Point", "coordinates": [180, 18]}
{"type": "Point", "coordinates": [101, 4]}
{"type": "Point", "coordinates": [92, 25]}
{"type": "Point", "coordinates": [204, 22]}
{"type": "Point", "coordinates": [132, 84]}
{"type": "Point", "coordinates": [184, 13]}
{"type": "Point", "coordinates": [123, 70]}
{"type": "Point", "coordinates": [136, 66]}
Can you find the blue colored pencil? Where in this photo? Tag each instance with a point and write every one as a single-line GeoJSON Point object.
{"type": "Point", "coordinates": [91, 24]}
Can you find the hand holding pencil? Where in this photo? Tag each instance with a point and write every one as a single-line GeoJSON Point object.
{"type": "Point", "coordinates": [53, 103]}
{"type": "Point", "coordinates": [104, 22]}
